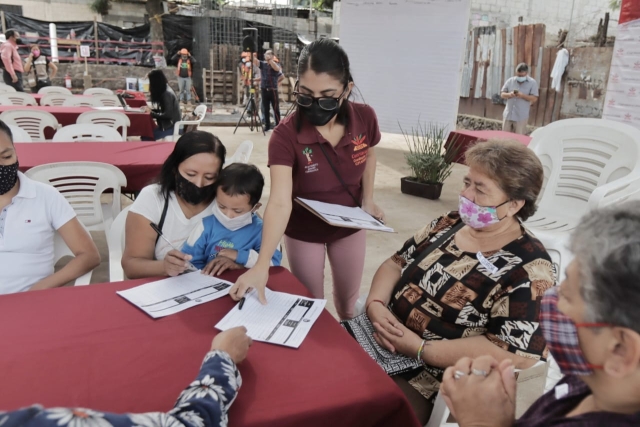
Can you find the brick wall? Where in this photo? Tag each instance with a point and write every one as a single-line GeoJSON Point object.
{"type": "Point", "coordinates": [107, 76]}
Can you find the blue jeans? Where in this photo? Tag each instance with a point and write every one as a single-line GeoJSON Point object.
{"type": "Point", "coordinates": [184, 86]}
{"type": "Point", "coordinates": [159, 133]}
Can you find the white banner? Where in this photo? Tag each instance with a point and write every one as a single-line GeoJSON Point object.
{"type": "Point", "coordinates": [622, 102]}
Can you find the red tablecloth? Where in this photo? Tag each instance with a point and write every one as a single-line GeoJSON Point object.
{"type": "Point", "coordinates": [88, 347]}
{"type": "Point", "coordinates": [137, 101]}
{"type": "Point", "coordinates": [141, 123]}
{"type": "Point", "coordinates": [140, 161]}
{"type": "Point", "coordinates": [466, 138]}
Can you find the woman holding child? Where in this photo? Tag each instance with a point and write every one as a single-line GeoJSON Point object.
{"type": "Point", "coordinates": [183, 196]}
{"type": "Point", "coordinates": [324, 151]}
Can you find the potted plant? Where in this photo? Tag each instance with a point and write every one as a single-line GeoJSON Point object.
{"type": "Point", "coordinates": [428, 160]}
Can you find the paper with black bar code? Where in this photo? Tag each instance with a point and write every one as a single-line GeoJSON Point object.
{"type": "Point", "coordinates": [174, 294]}
{"type": "Point", "coordinates": [286, 319]}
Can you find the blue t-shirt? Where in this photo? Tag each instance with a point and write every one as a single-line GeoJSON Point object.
{"type": "Point", "coordinates": [210, 237]}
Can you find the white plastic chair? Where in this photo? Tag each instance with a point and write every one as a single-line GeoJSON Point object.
{"type": "Point", "coordinates": [4, 88]}
{"type": "Point", "coordinates": [87, 133]}
{"type": "Point", "coordinates": [115, 242]}
{"type": "Point", "coordinates": [17, 98]}
{"type": "Point", "coordinates": [54, 89]}
{"type": "Point", "coordinates": [241, 155]}
{"type": "Point", "coordinates": [82, 184]}
{"type": "Point", "coordinates": [19, 134]}
{"type": "Point", "coordinates": [200, 112]}
{"type": "Point", "coordinates": [82, 101]}
{"type": "Point", "coordinates": [113, 119]}
{"type": "Point", "coordinates": [98, 91]}
{"type": "Point", "coordinates": [33, 121]}
{"type": "Point", "coordinates": [60, 249]}
{"type": "Point", "coordinates": [588, 163]}
{"type": "Point", "coordinates": [54, 99]}
{"type": "Point", "coordinates": [108, 100]}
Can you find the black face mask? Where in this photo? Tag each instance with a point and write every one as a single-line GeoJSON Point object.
{"type": "Point", "coordinates": [19, 42]}
{"type": "Point", "coordinates": [191, 193]}
{"type": "Point", "coordinates": [318, 116]}
{"type": "Point", "coordinates": [8, 177]}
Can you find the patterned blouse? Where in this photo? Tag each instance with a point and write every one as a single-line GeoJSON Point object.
{"type": "Point", "coordinates": [205, 402]}
{"type": "Point", "coordinates": [456, 294]}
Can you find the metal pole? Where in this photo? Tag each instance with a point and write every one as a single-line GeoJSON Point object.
{"type": "Point", "coordinates": [53, 40]}
{"type": "Point", "coordinates": [95, 36]}
{"type": "Point", "coordinates": [4, 23]}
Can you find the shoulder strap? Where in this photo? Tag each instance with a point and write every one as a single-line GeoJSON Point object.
{"type": "Point", "coordinates": [163, 216]}
{"type": "Point", "coordinates": [408, 272]}
{"type": "Point", "coordinates": [344, 184]}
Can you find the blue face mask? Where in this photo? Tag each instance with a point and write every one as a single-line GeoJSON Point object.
{"type": "Point", "coordinates": [521, 79]}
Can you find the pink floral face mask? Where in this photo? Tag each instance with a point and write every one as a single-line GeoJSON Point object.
{"type": "Point", "coordinates": [476, 216]}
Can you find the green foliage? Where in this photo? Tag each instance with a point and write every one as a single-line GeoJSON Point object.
{"type": "Point", "coordinates": [427, 159]}
{"type": "Point", "coordinates": [614, 4]}
{"type": "Point", "coordinates": [100, 6]}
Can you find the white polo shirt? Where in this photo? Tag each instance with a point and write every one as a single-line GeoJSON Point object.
{"type": "Point", "coordinates": [27, 229]}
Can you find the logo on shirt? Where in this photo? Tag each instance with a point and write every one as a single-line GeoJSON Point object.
{"type": "Point", "coordinates": [615, 78]}
{"type": "Point", "coordinates": [358, 141]}
{"type": "Point", "coordinates": [359, 158]}
{"type": "Point", "coordinates": [627, 117]}
{"type": "Point", "coordinates": [612, 103]}
{"type": "Point", "coordinates": [310, 166]}
{"type": "Point", "coordinates": [632, 91]}
{"type": "Point", "coordinates": [222, 244]}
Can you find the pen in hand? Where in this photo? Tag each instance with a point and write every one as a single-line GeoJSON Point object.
{"type": "Point", "coordinates": [157, 230]}
{"type": "Point", "coordinates": [242, 300]}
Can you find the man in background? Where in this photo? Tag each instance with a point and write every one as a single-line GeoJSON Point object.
{"type": "Point", "coordinates": [520, 91]}
{"type": "Point", "coordinates": [184, 72]}
{"type": "Point", "coordinates": [11, 62]}
{"type": "Point", "coordinates": [270, 76]}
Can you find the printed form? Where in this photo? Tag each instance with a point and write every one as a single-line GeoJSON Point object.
{"type": "Point", "coordinates": [285, 320]}
{"type": "Point", "coordinates": [174, 294]}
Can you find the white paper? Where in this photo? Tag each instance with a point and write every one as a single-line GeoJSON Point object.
{"type": "Point", "coordinates": [285, 320]}
{"type": "Point", "coordinates": [344, 216]}
{"type": "Point", "coordinates": [175, 294]}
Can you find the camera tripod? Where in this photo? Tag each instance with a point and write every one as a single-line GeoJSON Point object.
{"type": "Point", "coordinates": [251, 110]}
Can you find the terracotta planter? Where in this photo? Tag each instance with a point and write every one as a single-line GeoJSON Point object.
{"type": "Point", "coordinates": [413, 188]}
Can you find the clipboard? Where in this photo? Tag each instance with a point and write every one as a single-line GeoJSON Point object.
{"type": "Point", "coordinates": [343, 216]}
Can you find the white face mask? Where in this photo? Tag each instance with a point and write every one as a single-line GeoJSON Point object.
{"type": "Point", "coordinates": [232, 224]}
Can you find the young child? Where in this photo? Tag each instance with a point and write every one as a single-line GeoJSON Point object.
{"type": "Point", "coordinates": [233, 234]}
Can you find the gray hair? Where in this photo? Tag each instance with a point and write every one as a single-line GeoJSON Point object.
{"type": "Point", "coordinates": [606, 244]}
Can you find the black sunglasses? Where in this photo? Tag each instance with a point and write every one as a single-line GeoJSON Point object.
{"type": "Point", "coordinates": [325, 102]}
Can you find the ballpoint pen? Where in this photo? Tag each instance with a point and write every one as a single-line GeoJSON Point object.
{"type": "Point", "coordinates": [157, 230]}
{"type": "Point", "coordinates": [242, 300]}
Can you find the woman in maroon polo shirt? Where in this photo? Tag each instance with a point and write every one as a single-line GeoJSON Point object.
{"type": "Point", "coordinates": [327, 131]}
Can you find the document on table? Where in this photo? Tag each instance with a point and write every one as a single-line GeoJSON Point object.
{"type": "Point", "coordinates": [285, 320]}
{"type": "Point", "coordinates": [174, 294]}
{"type": "Point", "coordinates": [343, 216]}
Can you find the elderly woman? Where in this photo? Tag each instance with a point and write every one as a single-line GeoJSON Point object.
{"type": "Point", "coordinates": [592, 326]}
{"type": "Point", "coordinates": [467, 284]}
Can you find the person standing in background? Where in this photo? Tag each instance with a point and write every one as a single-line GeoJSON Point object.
{"type": "Point", "coordinates": [271, 76]}
{"type": "Point", "coordinates": [11, 62]}
{"type": "Point", "coordinates": [184, 73]}
{"type": "Point", "coordinates": [520, 91]}
{"type": "Point", "coordinates": [37, 68]}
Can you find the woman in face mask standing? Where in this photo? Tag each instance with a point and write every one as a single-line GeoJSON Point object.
{"type": "Point", "coordinates": [469, 283]}
{"type": "Point", "coordinates": [37, 68]}
{"type": "Point", "coordinates": [324, 151]}
{"type": "Point", "coordinates": [182, 197]}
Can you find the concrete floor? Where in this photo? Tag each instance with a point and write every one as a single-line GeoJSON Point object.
{"type": "Point", "coordinates": [406, 214]}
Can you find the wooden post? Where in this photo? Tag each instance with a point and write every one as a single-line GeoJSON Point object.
{"type": "Point", "coordinates": [605, 29]}
{"type": "Point", "coordinates": [4, 23]}
{"type": "Point", "coordinates": [95, 36]}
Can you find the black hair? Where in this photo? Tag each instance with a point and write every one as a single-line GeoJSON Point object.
{"type": "Point", "coordinates": [9, 33]}
{"type": "Point", "coordinates": [522, 68]}
{"type": "Point", "coordinates": [327, 56]}
{"type": "Point", "coordinates": [189, 144]}
{"type": "Point", "coordinates": [157, 86]}
{"type": "Point", "coordinates": [7, 130]}
{"type": "Point", "coordinates": [242, 179]}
